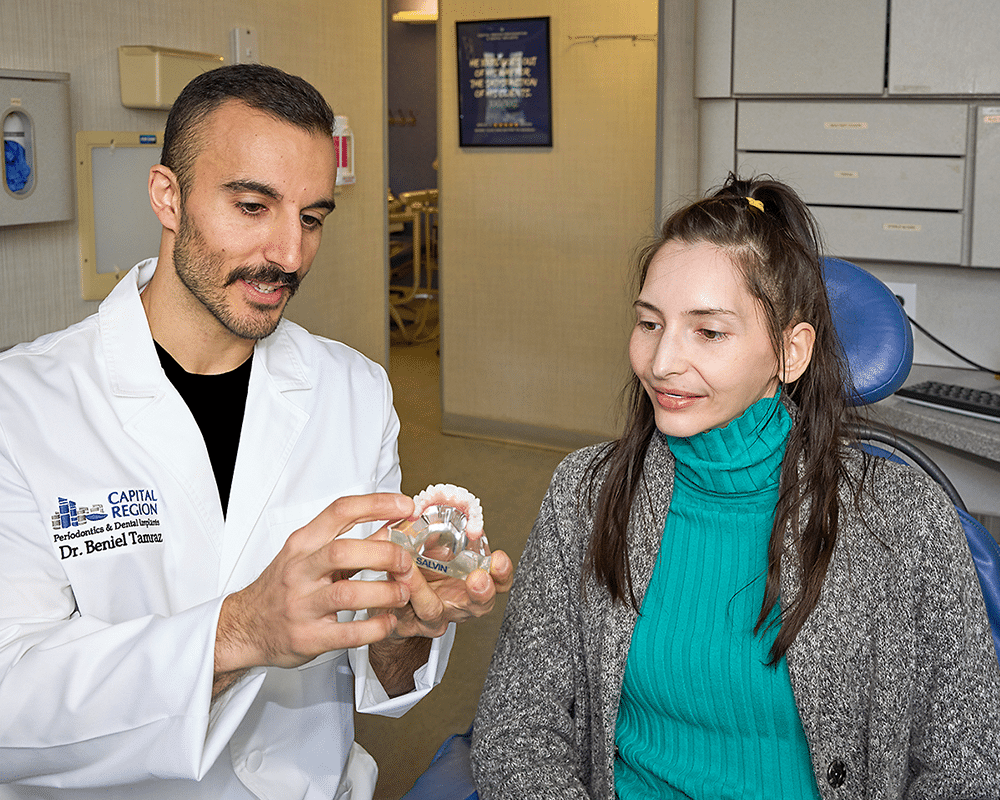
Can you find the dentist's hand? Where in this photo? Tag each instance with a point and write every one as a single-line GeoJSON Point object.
{"type": "Point", "coordinates": [288, 616]}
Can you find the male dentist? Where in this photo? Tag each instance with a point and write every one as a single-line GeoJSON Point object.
{"type": "Point", "coordinates": [190, 487]}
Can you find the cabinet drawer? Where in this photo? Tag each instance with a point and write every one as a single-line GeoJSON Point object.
{"type": "Point", "coordinates": [986, 208]}
{"type": "Point", "coordinates": [821, 127]}
{"type": "Point", "coordinates": [807, 46]}
{"type": "Point", "coordinates": [927, 182]}
{"type": "Point", "coordinates": [927, 237]}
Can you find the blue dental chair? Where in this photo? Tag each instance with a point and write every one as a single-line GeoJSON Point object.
{"type": "Point", "coordinates": [878, 344]}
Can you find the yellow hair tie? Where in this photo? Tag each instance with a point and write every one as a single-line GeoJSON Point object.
{"type": "Point", "coordinates": [755, 203]}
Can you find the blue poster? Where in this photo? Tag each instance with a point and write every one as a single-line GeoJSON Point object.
{"type": "Point", "coordinates": [504, 92]}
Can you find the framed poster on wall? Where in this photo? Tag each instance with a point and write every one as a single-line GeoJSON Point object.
{"type": "Point", "coordinates": [504, 88]}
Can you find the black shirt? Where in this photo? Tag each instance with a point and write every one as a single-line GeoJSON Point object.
{"type": "Point", "coordinates": [217, 403]}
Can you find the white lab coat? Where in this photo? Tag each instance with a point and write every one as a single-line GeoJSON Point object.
{"type": "Point", "coordinates": [107, 623]}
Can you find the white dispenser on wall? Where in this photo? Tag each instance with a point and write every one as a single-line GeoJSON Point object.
{"type": "Point", "coordinates": [36, 184]}
{"type": "Point", "coordinates": [343, 140]}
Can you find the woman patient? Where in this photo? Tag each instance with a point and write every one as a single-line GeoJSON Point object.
{"type": "Point", "coordinates": [730, 600]}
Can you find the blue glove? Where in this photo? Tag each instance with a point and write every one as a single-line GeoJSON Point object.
{"type": "Point", "coordinates": [18, 170]}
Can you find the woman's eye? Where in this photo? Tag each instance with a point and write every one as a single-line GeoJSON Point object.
{"type": "Point", "coordinates": [711, 335]}
{"type": "Point", "coordinates": [647, 325]}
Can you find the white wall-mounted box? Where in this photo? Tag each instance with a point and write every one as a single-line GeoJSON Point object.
{"type": "Point", "coordinates": [36, 181]}
{"type": "Point", "coordinates": [152, 77]}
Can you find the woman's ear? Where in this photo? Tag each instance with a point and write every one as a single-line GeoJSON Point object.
{"type": "Point", "coordinates": [799, 341]}
{"type": "Point", "coordinates": [165, 196]}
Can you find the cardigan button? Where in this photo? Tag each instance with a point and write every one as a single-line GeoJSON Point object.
{"type": "Point", "coordinates": [836, 774]}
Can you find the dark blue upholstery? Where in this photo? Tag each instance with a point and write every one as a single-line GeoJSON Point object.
{"type": "Point", "coordinates": [878, 343]}
{"type": "Point", "coordinates": [986, 554]}
{"type": "Point", "coordinates": [449, 777]}
{"type": "Point", "coordinates": [873, 330]}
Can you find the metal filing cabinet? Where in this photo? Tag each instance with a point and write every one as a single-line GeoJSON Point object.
{"type": "Point", "coordinates": [884, 180]}
{"type": "Point", "coordinates": [884, 114]}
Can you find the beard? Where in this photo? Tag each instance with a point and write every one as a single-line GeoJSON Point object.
{"type": "Point", "coordinates": [200, 270]}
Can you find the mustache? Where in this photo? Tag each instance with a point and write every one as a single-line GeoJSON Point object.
{"type": "Point", "coordinates": [266, 273]}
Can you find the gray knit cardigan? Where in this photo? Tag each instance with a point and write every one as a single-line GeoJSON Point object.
{"type": "Point", "coordinates": [894, 673]}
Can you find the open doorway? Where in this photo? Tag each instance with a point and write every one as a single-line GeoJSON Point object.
{"type": "Point", "coordinates": [411, 70]}
{"type": "Point", "coordinates": [411, 75]}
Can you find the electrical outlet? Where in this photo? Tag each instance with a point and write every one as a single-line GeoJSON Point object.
{"type": "Point", "coordinates": [244, 45]}
{"type": "Point", "coordinates": [907, 294]}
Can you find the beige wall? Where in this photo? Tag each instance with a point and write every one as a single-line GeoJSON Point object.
{"type": "Point", "coordinates": [337, 46]}
{"type": "Point", "coordinates": [535, 243]}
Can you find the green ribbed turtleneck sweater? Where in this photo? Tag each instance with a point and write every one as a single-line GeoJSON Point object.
{"type": "Point", "coordinates": [701, 715]}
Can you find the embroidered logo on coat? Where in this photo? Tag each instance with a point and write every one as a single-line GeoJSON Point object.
{"type": "Point", "coordinates": [130, 510]}
{"type": "Point", "coordinates": [70, 516]}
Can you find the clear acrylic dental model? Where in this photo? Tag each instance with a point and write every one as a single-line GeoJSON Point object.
{"type": "Point", "coordinates": [447, 536]}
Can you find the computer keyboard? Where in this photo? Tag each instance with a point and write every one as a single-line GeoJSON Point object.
{"type": "Point", "coordinates": [948, 397]}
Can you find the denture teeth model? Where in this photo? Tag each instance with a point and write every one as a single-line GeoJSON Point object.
{"type": "Point", "coordinates": [445, 533]}
{"type": "Point", "coordinates": [457, 497]}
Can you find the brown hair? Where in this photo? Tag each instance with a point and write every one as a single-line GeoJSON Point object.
{"type": "Point", "coordinates": [777, 253]}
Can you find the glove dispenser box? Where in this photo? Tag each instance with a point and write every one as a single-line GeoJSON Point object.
{"type": "Point", "coordinates": [36, 184]}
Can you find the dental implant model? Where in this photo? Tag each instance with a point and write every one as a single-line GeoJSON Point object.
{"type": "Point", "coordinates": [446, 535]}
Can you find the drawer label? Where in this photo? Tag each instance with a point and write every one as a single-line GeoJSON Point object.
{"type": "Point", "coordinates": [900, 226]}
{"type": "Point", "coordinates": [845, 126]}
{"type": "Point", "coordinates": [843, 173]}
